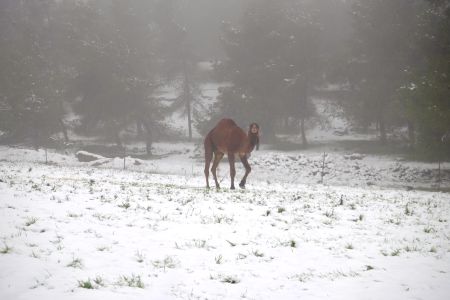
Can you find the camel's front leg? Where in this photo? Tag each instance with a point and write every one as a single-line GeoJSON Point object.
{"type": "Point", "coordinates": [248, 169]}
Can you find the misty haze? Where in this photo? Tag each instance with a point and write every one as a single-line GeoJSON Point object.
{"type": "Point", "coordinates": [224, 149]}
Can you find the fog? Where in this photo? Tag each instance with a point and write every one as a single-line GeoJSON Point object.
{"type": "Point", "coordinates": [116, 117]}
{"type": "Point", "coordinates": [203, 20]}
{"type": "Point", "coordinates": [132, 71]}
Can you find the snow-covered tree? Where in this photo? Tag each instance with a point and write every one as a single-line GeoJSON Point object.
{"type": "Point", "coordinates": [272, 63]}
{"type": "Point", "coordinates": [116, 67]}
{"type": "Point", "coordinates": [31, 78]}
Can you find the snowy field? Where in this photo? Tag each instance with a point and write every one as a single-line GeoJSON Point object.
{"type": "Point", "coordinates": [308, 226]}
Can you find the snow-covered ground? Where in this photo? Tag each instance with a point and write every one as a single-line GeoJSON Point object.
{"type": "Point", "coordinates": [345, 227]}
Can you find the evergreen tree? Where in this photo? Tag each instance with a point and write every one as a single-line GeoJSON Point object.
{"type": "Point", "coordinates": [116, 69]}
{"type": "Point", "coordinates": [429, 90]}
{"type": "Point", "coordinates": [382, 50]}
{"type": "Point", "coordinates": [178, 61]}
{"type": "Point", "coordinates": [271, 63]}
{"type": "Point", "coordinates": [31, 77]}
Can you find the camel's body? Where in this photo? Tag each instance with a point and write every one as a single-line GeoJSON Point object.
{"type": "Point", "coordinates": [228, 138]}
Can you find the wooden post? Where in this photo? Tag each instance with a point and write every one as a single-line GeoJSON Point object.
{"type": "Point", "coordinates": [187, 99]}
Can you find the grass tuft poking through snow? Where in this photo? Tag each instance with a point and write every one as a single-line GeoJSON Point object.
{"type": "Point", "coordinates": [131, 281]}
{"type": "Point", "coordinates": [5, 249]}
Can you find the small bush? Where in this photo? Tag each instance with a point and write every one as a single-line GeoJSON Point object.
{"type": "Point", "coordinates": [396, 252]}
{"type": "Point", "coordinates": [85, 284]}
{"type": "Point", "coordinates": [167, 262]}
{"type": "Point", "coordinates": [139, 257]}
{"type": "Point", "coordinates": [132, 281]}
{"type": "Point", "coordinates": [230, 279]}
{"type": "Point", "coordinates": [125, 205]}
{"type": "Point", "coordinates": [428, 230]}
{"type": "Point", "coordinates": [99, 281]}
{"type": "Point", "coordinates": [408, 211]}
{"type": "Point", "coordinates": [76, 263]}
{"type": "Point", "coordinates": [218, 259]}
{"type": "Point", "coordinates": [6, 249]}
{"type": "Point", "coordinates": [30, 221]}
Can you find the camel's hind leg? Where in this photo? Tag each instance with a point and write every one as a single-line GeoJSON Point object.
{"type": "Point", "coordinates": [217, 157]}
{"type": "Point", "coordinates": [231, 160]}
{"type": "Point", "coordinates": [208, 159]}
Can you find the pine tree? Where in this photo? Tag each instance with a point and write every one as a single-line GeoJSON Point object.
{"type": "Point", "coordinates": [271, 63]}
{"type": "Point", "coordinates": [429, 89]}
{"type": "Point", "coordinates": [31, 76]}
{"type": "Point", "coordinates": [115, 67]}
{"type": "Point", "coordinates": [382, 50]}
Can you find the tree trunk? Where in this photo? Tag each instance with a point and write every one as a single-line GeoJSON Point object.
{"type": "Point", "coordinates": [411, 134]}
{"type": "Point", "coordinates": [64, 130]}
{"type": "Point", "coordinates": [148, 143]}
{"type": "Point", "coordinates": [117, 138]}
{"type": "Point", "coordinates": [139, 128]}
{"type": "Point", "coordinates": [382, 128]}
{"type": "Point", "coordinates": [36, 138]}
{"type": "Point", "coordinates": [188, 109]}
{"type": "Point", "coordinates": [304, 108]}
{"type": "Point", "coordinates": [187, 95]}
{"type": "Point", "coordinates": [303, 132]}
{"type": "Point", "coordinates": [149, 138]}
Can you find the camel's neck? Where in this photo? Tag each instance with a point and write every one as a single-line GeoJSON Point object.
{"type": "Point", "coordinates": [252, 142]}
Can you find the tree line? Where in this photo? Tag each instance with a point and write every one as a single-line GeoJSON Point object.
{"type": "Point", "coordinates": [391, 66]}
{"type": "Point", "coordinates": [101, 60]}
{"type": "Point", "coordinates": [104, 60]}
